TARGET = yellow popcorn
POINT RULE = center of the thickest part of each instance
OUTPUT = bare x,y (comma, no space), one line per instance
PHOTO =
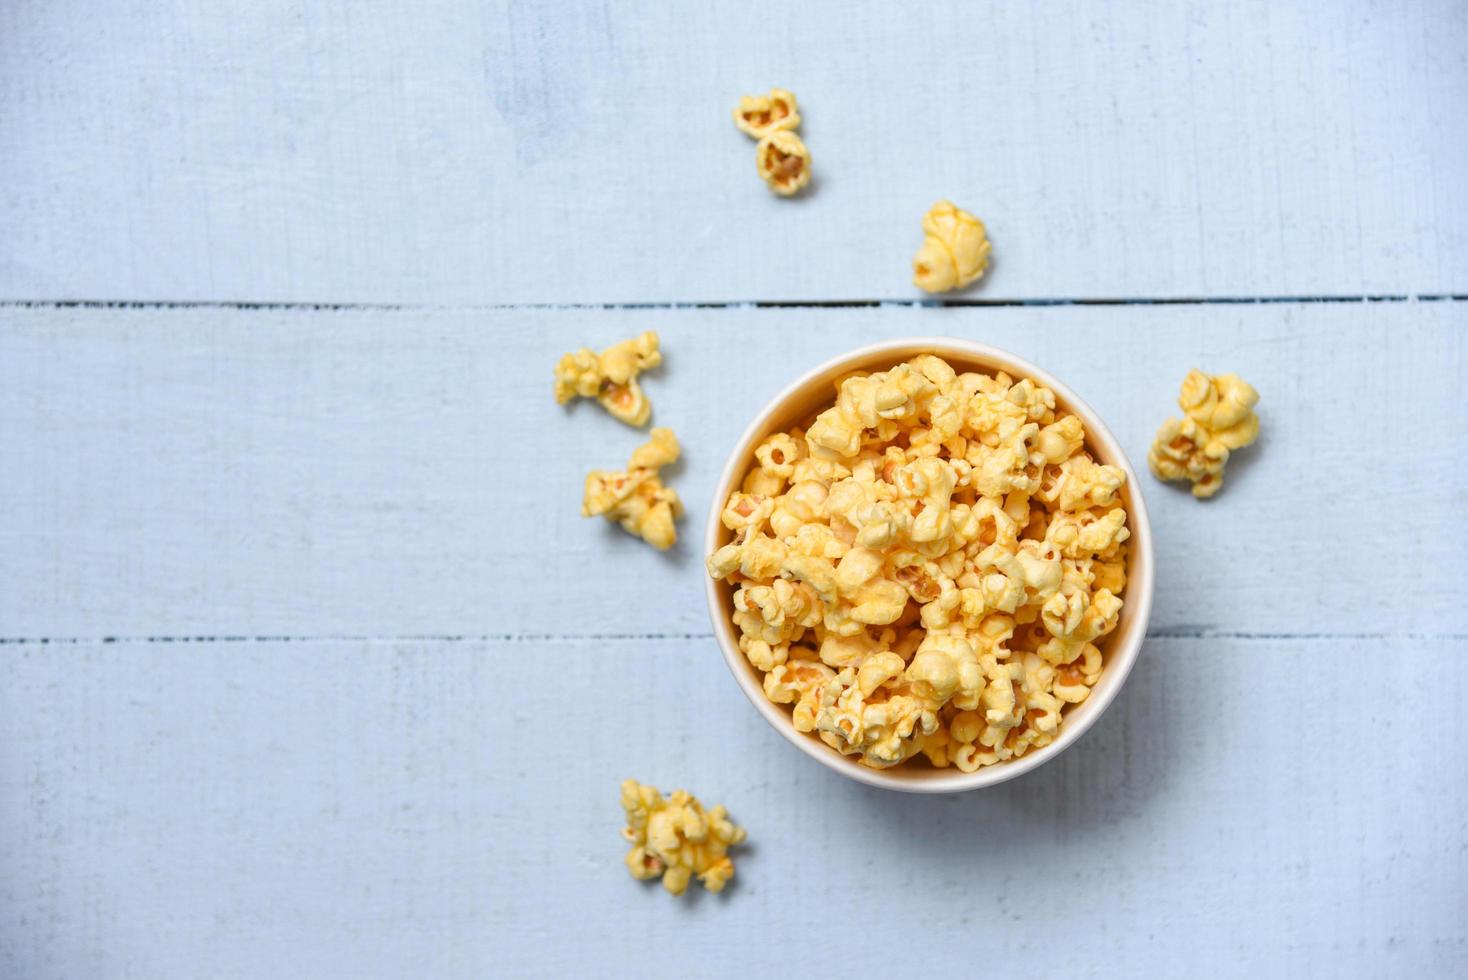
798,681
611,377
1080,482
778,455
1087,533
637,498
676,839
955,250
783,162
781,156
925,572
883,730
760,115
1218,418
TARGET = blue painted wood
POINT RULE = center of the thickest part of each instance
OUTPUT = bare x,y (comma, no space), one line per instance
1270,795
379,473
555,152
309,667
1248,807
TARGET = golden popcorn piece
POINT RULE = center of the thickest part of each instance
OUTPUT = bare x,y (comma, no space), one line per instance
637,499
955,250
676,839
927,568
880,731
611,377
1218,418
783,162
760,115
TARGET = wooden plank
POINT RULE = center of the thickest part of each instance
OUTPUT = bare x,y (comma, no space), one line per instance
553,152
376,473
361,809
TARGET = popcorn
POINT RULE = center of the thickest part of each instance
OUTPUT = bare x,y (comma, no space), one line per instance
611,377
676,839
926,572
637,498
1081,483
881,730
778,455
781,157
783,162
1087,533
1060,440
760,115
798,681
1218,417
874,599
955,250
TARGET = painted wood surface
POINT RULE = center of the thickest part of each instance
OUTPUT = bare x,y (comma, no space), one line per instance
418,772
310,668
552,151
1248,807
372,473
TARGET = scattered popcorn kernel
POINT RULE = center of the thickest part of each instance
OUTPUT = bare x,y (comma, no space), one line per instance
760,115
1218,417
955,250
925,571
637,498
783,162
676,839
611,377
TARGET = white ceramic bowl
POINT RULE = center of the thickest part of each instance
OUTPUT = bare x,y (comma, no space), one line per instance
807,395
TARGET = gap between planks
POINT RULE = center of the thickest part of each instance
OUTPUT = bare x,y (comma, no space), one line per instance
748,304
1166,633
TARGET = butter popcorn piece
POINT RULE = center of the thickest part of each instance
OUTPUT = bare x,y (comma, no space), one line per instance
926,572
783,162
611,377
1218,418
637,499
955,250
677,839
760,115
880,729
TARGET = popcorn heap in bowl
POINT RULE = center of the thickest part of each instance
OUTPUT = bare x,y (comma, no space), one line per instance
928,567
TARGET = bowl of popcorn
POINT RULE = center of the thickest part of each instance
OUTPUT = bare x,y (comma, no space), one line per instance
929,565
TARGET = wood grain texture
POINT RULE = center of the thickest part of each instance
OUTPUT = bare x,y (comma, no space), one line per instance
309,667
375,473
351,809
561,152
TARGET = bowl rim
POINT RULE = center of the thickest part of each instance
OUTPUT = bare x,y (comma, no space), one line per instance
1140,573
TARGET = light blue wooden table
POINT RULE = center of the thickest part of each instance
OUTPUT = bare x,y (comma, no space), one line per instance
309,667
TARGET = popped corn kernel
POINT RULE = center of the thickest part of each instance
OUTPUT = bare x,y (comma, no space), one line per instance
955,250
1060,440
637,499
1080,482
1087,534
880,729
760,115
929,567
778,455
1218,418
611,377
676,839
798,682
783,162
